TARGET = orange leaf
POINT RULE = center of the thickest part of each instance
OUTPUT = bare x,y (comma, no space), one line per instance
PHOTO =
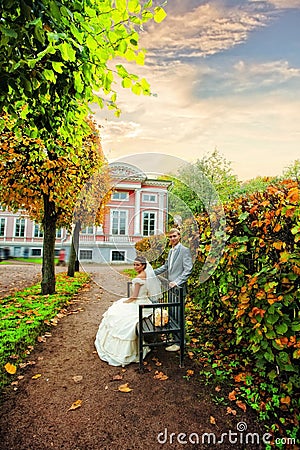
277,227
232,396
160,376
117,377
231,411
75,405
240,377
10,368
190,372
124,388
241,405
212,420
285,400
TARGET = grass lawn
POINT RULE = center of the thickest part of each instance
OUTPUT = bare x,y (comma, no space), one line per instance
26,315
26,260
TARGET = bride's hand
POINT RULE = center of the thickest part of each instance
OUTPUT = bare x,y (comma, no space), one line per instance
129,300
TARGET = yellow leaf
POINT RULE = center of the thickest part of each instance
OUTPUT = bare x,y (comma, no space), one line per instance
75,405
124,388
10,368
212,420
190,372
35,377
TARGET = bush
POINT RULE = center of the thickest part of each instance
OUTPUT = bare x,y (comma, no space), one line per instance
249,307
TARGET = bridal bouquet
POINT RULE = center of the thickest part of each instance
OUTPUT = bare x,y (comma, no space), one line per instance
161,317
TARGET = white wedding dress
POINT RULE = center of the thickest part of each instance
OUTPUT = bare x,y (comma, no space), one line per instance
116,340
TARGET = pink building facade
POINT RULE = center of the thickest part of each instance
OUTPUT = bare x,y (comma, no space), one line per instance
138,207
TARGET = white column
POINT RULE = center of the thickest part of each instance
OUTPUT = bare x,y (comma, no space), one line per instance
137,212
161,210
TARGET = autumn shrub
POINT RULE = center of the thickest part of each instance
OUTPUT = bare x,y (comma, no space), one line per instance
248,310
154,248
25,315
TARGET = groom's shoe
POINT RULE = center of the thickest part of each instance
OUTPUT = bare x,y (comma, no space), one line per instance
173,348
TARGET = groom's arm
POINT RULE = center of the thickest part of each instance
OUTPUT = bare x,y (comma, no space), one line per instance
161,269
187,267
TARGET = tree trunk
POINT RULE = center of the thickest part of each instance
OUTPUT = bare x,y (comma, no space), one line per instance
49,228
73,260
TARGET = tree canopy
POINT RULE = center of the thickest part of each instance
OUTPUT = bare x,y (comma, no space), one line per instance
55,59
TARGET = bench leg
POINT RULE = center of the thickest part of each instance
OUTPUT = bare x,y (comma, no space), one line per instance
141,353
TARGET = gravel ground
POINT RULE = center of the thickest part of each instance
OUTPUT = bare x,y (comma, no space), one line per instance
170,413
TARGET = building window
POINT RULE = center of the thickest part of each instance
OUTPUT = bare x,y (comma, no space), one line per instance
86,254
87,230
37,231
149,223
149,198
20,228
17,252
36,252
2,227
58,233
120,195
116,255
118,222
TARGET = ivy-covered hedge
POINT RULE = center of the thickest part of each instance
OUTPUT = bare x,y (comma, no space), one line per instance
249,307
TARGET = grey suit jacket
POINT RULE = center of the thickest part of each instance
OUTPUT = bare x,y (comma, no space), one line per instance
181,267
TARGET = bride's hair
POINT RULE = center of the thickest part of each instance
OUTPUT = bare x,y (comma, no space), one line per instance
142,260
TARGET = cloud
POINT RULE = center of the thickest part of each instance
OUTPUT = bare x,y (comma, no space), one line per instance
283,4
203,31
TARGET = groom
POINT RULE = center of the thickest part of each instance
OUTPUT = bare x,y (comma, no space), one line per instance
178,266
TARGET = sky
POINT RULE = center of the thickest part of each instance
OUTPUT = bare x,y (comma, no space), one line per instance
224,75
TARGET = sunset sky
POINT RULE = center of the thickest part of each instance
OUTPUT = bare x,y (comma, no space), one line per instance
225,74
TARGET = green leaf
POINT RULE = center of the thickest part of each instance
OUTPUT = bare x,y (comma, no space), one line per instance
159,14
295,326
78,84
134,6
57,66
49,75
281,329
243,216
67,52
269,356
8,32
272,318
54,9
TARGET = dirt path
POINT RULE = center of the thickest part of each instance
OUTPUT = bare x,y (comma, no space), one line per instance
35,416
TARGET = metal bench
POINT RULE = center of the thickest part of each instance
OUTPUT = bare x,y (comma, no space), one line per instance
151,335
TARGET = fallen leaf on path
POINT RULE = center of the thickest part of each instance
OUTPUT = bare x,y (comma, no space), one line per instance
77,378
124,388
10,368
232,396
117,377
212,420
75,405
189,372
217,388
231,411
35,377
160,376
41,339
241,405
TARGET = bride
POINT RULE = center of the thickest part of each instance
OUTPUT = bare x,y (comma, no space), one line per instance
116,340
